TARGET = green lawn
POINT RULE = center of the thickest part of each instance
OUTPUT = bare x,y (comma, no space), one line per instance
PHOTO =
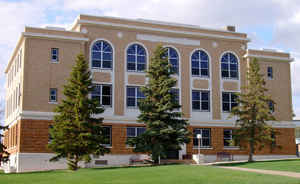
172,174
279,165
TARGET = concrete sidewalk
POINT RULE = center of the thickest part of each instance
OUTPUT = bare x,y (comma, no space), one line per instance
280,173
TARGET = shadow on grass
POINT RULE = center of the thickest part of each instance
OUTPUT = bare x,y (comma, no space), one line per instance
247,163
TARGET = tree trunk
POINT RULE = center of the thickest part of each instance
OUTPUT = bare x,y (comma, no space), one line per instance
250,158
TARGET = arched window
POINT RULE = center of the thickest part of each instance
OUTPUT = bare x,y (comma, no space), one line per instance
136,58
229,66
102,55
200,64
173,59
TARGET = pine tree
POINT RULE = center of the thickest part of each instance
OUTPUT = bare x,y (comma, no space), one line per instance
253,112
76,134
165,129
4,155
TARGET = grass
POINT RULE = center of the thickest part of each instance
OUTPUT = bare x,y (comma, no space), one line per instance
173,174
292,165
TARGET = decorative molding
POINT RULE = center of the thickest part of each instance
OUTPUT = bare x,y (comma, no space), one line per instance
269,57
154,38
121,119
163,30
28,34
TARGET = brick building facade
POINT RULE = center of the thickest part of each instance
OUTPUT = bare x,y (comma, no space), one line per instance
211,65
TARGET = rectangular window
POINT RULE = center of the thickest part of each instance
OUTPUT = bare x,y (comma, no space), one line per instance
134,94
103,94
228,101
175,92
270,72
228,139
271,106
107,136
200,100
54,55
205,141
134,131
53,95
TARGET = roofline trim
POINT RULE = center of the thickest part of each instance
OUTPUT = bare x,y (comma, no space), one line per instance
161,23
29,34
162,30
269,57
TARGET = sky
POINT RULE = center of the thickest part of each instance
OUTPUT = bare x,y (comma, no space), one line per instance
269,23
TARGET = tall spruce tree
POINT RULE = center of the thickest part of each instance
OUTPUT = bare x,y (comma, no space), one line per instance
253,112
165,128
76,133
4,155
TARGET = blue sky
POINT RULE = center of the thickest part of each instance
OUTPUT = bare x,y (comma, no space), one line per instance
269,23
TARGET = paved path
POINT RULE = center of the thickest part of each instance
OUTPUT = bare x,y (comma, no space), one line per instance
281,173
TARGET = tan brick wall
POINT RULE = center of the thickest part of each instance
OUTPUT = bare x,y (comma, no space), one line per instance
136,79
231,86
102,77
200,84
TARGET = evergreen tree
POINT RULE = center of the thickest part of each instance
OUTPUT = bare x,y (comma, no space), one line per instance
165,129
253,112
4,155
76,133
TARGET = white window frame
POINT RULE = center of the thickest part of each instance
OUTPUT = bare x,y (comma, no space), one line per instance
136,58
201,110
101,94
199,68
110,137
135,97
201,140
50,95
101,53
230,101
229,70
56,55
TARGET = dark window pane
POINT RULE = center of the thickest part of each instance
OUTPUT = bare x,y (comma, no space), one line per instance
173,53
106,90
106,100
196,95
140,131
141,67
226,107
204,64
195,64
107,56
205,142
195,55
204,56
96,63
131,132
204,96
97,55
227,134
174,62
196,105
233,67
225,74
195,71
131,102
106,64
225,97
141,59
141,50
107,135
204,72
205,106
140,94
131,58
131,66
233,74
174,69
206,133
224,66
195,142
131,50
131,91
106,47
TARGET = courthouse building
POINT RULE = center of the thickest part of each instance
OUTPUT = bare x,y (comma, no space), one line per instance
210,66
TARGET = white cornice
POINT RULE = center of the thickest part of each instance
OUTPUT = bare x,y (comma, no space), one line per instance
269,57
154,38
121,119
41,35
163,30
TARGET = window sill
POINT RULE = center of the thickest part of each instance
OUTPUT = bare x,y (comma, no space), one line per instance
201,77
203,148
231,147
55,62
101,69
230,79
55,103
199,111
136,72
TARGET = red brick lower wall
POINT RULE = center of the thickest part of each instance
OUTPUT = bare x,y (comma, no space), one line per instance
33,138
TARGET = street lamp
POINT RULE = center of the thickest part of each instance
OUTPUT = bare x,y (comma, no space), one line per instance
199,137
